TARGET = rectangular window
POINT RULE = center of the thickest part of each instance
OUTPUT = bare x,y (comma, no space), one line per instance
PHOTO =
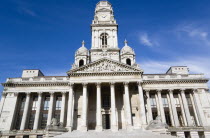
44,120
177,103
34,105
165,102
58,103
46,103
153,102
22,103
31,121
106,101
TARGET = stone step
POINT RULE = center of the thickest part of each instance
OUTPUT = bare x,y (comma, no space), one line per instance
111,134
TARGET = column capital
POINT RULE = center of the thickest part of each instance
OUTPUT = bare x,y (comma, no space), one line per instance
51,93
70,84
182,90
112,83
147,90
27,93
170,90
126,83
195,90
139,82
63,92
159,90
84,84
98,84
39,93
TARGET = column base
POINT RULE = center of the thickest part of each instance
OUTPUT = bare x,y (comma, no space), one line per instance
180,134
194,134
207,134
70,129
99,128
84,128
129,127
114,128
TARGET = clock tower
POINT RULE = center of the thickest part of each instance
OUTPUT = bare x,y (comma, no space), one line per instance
104,33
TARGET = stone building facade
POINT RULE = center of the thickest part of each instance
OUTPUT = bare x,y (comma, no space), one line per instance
105,89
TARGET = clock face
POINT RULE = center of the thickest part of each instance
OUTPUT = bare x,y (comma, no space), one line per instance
103,17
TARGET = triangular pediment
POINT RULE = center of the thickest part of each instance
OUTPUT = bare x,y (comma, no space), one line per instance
105,65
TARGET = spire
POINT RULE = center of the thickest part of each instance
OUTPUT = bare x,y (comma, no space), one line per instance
126,42
83,43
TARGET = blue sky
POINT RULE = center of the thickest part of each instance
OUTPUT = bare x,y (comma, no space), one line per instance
44,34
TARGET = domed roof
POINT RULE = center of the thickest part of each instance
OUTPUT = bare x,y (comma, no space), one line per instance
82,50
127,49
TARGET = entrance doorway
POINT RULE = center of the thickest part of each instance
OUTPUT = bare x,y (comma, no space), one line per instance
106,121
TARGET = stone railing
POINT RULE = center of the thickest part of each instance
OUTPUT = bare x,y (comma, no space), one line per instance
39,79
169,76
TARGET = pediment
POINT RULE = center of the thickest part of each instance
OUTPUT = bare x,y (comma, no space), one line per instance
105,65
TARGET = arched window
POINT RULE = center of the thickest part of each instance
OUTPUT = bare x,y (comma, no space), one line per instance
104,37
81,62
128,61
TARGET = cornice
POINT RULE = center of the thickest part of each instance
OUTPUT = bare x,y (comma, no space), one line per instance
34,84
175,81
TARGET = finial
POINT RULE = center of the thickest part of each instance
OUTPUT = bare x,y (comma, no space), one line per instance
83,43
126,42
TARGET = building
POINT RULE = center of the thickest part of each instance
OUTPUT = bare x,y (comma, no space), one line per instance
105,89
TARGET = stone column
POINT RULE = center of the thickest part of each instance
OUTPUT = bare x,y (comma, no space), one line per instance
50,111
199,108
70,108
84,108
127,107
4,94
157,104
98,109
37,115
186,108
162,113
182,110
149,109
173,107
25,112
170,109
142,107
194,110
63,107
114,125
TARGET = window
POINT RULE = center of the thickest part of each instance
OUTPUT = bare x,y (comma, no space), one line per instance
34,106
153,102
106,101
22,103
165,102
177,103
46,103
58,103
104,37
81,63
44,120
128,61
31,121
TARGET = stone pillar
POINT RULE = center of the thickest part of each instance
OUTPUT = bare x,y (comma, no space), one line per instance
170,109
162,113
199,108
4,94
50,111
84,108
157,104
173,107
114,125
25,112
149,109
63,107
127,107
98,108
142,107
70,108
194,134
37,115
186,108
182,110
194,110
180,134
